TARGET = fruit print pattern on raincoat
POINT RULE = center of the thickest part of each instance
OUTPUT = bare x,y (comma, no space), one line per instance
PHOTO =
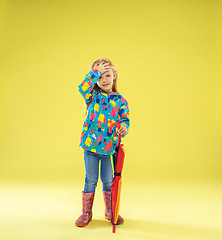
102,109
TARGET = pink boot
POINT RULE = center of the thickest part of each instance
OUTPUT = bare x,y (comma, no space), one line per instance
108,212
86,215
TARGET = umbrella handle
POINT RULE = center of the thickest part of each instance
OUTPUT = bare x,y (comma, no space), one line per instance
117,124
119,138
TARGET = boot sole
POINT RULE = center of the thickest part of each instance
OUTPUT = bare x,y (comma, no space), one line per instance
118,223
83,225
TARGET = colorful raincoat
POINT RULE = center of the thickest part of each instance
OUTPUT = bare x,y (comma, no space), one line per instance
102,109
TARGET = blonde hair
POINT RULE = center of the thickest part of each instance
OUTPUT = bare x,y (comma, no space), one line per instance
106,60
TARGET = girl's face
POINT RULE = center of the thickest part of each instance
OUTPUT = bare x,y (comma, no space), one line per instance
105,81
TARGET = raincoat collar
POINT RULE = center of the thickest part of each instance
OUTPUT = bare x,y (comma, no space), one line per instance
108,94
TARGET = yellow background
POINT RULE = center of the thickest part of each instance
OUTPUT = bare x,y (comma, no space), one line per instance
168,56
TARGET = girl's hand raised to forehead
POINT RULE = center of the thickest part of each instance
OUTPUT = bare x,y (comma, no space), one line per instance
102,67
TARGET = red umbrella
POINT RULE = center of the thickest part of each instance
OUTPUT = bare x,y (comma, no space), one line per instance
118,159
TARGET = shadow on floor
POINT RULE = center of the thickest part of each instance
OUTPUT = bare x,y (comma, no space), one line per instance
158,230
96,223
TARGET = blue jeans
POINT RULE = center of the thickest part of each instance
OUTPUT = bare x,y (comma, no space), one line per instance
92,171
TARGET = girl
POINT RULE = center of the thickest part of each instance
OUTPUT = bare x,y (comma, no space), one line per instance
104,106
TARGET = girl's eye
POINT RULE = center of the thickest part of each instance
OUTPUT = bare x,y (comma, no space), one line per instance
108,75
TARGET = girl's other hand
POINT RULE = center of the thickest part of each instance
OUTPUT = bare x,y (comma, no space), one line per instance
122,130
102,67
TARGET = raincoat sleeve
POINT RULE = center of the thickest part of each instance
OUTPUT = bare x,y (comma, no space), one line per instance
87,85
124,113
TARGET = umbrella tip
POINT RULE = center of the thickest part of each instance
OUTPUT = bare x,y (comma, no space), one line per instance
114,228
